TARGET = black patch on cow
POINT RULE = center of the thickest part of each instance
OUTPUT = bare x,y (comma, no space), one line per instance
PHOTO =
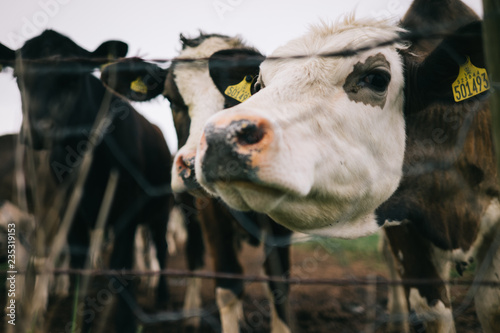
358,88
230,67
222,162
180,111
119,77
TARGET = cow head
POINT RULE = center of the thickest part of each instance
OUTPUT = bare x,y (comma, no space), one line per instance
54,76
188,86
321,145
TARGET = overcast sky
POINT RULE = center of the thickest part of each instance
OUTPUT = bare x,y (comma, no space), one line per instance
152,27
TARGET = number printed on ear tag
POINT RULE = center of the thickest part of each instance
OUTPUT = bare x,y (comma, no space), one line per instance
470,82
240,91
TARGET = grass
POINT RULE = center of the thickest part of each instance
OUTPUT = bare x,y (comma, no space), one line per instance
348,250
366,249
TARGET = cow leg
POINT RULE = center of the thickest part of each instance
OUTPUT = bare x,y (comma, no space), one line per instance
487,299
419,259
140,258
195,250
397,305
277,263
217,226
122,259
159,232
432,303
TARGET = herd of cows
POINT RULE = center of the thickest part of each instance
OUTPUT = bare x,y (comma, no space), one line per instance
382,138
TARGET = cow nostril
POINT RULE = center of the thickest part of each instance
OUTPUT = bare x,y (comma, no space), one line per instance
185,164
249,134
188,162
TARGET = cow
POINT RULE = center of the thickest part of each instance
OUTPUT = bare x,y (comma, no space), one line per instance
377,137
61,101
443,17
194,98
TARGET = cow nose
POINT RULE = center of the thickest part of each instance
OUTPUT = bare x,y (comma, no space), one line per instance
184,166
231,148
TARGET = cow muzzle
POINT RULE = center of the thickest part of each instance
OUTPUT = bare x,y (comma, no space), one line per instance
232,149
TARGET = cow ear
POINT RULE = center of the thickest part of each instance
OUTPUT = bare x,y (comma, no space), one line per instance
455,70
135,79
111,49
7,56
233,72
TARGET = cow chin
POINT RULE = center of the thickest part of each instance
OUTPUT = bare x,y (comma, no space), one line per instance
244,196
299,213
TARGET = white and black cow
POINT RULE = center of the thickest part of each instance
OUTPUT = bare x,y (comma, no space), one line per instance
341,146
61,101
193,99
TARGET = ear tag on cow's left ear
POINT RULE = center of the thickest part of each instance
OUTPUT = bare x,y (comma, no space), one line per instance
139,86
470,82
242,90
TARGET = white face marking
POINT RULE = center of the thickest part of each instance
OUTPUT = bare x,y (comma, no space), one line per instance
333,159
199,93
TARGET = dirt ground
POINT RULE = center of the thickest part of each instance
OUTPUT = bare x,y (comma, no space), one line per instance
315,308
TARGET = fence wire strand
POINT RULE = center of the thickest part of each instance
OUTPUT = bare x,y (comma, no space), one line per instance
354,281
404,38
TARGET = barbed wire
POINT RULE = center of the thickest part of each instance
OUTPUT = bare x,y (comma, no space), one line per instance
354,281
403,38
155,191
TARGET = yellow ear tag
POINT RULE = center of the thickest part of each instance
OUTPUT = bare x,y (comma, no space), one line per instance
470,82
240,91
139,86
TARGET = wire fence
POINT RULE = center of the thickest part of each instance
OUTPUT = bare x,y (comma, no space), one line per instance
154,191
404,38
354,281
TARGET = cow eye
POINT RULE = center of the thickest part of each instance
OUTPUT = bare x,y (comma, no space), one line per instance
377,80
